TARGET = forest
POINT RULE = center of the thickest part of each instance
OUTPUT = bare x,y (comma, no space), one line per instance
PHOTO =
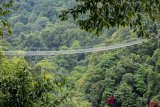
131,75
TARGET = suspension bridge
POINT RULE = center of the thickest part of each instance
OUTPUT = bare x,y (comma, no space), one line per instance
73,51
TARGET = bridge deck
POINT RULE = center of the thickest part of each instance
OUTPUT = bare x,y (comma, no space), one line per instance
74,51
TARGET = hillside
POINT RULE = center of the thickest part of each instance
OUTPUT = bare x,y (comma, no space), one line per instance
131,74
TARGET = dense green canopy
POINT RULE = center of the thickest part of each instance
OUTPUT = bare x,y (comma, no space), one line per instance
131,74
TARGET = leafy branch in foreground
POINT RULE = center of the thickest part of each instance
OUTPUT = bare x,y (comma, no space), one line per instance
5,9
114,13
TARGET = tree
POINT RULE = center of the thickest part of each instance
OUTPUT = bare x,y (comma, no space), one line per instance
22,86
41,22
125,95
114,13
5,9
76,44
